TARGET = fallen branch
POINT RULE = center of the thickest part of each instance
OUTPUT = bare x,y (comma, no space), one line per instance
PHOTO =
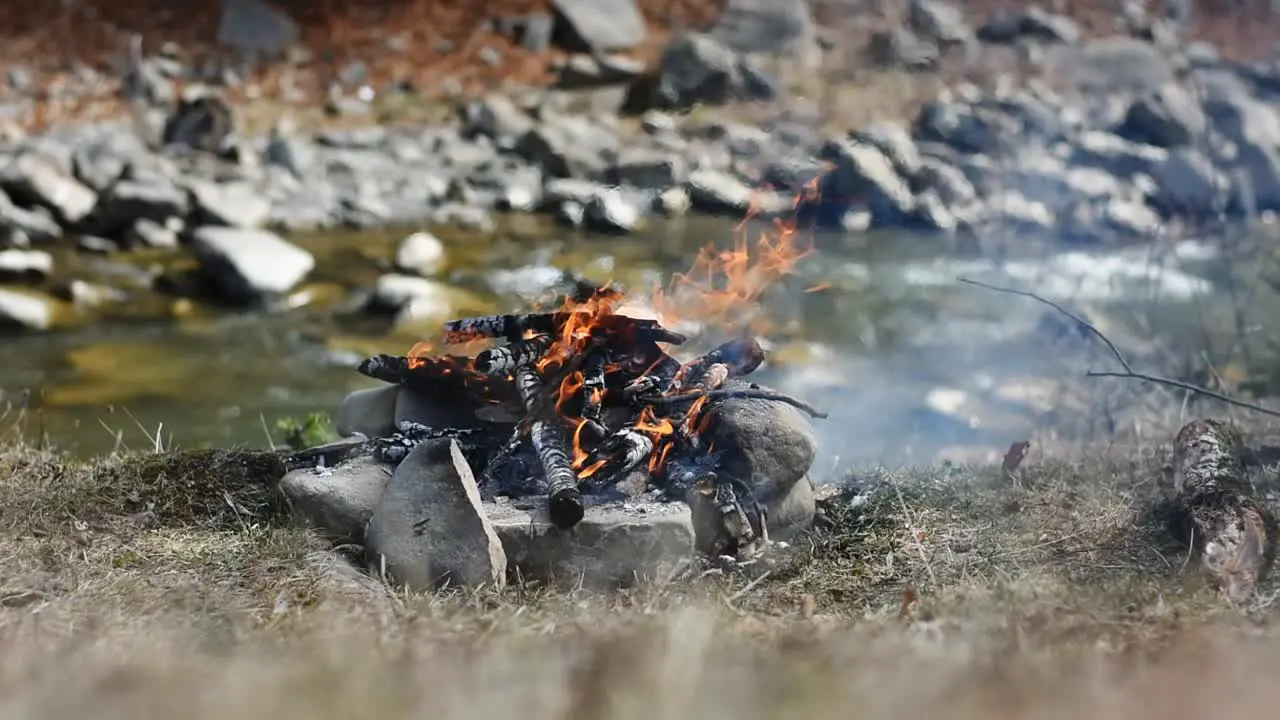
1115,352
753,393
1232,533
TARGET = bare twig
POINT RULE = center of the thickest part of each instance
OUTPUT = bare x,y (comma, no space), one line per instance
748,393
1128,370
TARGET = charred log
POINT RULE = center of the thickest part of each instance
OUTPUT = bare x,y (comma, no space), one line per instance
738,357
564,500
619,328
727,519
1231,532
593,386
518,354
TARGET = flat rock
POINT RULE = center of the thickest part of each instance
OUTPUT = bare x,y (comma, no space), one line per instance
247,264
25,264
230,204
368,411
36,178
598,25
337,501
25,311
769,445
428,529
616,543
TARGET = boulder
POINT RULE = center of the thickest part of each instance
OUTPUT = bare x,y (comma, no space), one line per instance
615,544
697,68
597,25
420,253
339,501
247,264
429,530
768,445
36,178
368,411
1168,118
792,513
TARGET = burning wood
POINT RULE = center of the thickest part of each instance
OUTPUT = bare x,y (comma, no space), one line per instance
602,401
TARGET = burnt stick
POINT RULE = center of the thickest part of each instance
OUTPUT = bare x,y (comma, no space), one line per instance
740,357
503,360
625,449
564,501
592,385
513,327
753,393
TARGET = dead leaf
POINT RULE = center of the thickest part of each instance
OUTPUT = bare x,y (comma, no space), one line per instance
1014,456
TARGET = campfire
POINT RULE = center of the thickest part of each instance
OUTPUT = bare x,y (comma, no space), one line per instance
588,401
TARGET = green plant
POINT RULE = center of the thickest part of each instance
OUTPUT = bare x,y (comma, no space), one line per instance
315,429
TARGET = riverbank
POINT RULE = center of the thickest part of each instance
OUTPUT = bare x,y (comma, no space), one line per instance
1054,593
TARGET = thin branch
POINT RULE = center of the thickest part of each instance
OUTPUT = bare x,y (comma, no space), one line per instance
1083,323
751,393
1128,370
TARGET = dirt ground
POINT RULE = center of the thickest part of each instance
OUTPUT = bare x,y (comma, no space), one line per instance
164,585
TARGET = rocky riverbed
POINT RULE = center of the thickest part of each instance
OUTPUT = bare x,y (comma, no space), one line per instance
182,212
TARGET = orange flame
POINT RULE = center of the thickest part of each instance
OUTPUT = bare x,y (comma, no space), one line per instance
648,423
571,384
721,283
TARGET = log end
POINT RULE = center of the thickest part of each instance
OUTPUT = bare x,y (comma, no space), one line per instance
565,508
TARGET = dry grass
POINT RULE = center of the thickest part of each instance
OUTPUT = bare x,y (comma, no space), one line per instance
170,586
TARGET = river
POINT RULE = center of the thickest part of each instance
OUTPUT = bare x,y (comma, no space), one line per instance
911,365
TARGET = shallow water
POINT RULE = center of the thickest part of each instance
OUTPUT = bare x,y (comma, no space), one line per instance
889,343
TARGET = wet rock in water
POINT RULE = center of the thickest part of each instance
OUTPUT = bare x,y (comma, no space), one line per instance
395,293
649,169
615,544
672,202
368,411
421,253
36,178
229,204
598,25
150,234
31,265
717,192
339,501
768,445
862,174
429,528
25,311
611,212
461,215
249,265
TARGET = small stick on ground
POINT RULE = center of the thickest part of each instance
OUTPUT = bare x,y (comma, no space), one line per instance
753,393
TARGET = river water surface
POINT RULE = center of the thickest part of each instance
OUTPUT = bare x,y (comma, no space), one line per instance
910,364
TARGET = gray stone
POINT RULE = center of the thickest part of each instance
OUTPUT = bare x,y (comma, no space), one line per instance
229,204
255,28
569,147
716,192
615,544
775,27
496,117
148,233
429,529
247,264
339,501
99,163
792,513
35,178
25,264
1033,23
939,22
862,174
900,48
894,142
945,179
672,202
36,224
1112,153
648,169
127,200
598,25
611,212
421,253
768,445
461,215
1168,118
696,68
368,411
435,412
1188,184
394,292
25,311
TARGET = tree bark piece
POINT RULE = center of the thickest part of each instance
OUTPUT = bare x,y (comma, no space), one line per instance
1232,533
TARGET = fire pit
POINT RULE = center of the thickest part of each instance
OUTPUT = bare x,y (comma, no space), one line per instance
581,409
598,408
